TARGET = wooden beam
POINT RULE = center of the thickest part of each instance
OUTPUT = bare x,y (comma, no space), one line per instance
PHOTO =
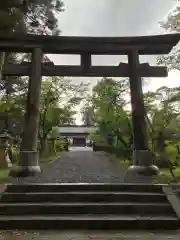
94,48
94,71
160,44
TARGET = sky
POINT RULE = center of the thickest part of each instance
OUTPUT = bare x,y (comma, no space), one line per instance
115,18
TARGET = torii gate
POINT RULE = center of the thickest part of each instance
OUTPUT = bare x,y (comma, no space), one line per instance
86,47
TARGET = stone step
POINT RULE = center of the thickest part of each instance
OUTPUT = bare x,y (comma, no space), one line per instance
83,197
89,222
86,208
69,187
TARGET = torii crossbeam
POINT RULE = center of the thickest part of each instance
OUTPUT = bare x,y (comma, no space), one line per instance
49,69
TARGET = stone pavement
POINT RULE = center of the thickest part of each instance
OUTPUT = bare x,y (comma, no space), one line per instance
89,235
84,165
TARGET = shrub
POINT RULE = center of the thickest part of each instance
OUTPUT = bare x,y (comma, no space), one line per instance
161,161
96,138
118,151
59,145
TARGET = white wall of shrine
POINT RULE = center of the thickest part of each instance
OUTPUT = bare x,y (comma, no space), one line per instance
76,129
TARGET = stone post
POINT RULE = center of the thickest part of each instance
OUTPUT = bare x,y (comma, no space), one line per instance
28,156
142,157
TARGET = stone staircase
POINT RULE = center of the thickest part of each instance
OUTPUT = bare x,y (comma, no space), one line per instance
89,206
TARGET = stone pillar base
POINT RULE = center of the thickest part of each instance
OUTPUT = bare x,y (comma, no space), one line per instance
143,163
144,170
28,165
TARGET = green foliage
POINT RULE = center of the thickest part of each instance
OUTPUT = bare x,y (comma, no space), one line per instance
59,145
117,151
169,112
171,152
109,113
162,117
59,97
42,16
4,175
88,115
96,138
37,17
114,120
172,24
121,162
165,177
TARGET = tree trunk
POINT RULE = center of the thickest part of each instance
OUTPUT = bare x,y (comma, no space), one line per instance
42,145
160,143
2,59
151,133
171,167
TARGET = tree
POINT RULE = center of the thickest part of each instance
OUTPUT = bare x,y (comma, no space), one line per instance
25,16
41,16
58,100
163,119
110,115
114,120
12,103
172,24
87,112
32,16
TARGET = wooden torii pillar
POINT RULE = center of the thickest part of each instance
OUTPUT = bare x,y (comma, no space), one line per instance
142,156
29,156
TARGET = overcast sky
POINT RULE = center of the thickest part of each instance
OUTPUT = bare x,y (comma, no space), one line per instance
115,18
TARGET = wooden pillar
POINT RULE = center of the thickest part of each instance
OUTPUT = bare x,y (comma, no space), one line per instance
137,103
28,162
30,133
142,157
85,62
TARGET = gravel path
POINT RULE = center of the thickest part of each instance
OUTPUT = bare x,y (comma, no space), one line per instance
80,165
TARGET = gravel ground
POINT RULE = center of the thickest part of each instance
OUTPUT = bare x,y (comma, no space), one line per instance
80,165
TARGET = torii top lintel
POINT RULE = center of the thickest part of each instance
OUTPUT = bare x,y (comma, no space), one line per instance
144,45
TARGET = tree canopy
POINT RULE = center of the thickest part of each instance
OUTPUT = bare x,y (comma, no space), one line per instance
109,109
30,16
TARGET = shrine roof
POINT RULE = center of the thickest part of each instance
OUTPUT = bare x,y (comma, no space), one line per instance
145,45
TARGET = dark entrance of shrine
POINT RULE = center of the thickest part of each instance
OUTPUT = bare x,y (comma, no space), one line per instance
86,47
78,134
79,141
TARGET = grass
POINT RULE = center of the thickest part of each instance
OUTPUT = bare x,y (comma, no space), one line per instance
4,175
166,178
44,160
122,163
